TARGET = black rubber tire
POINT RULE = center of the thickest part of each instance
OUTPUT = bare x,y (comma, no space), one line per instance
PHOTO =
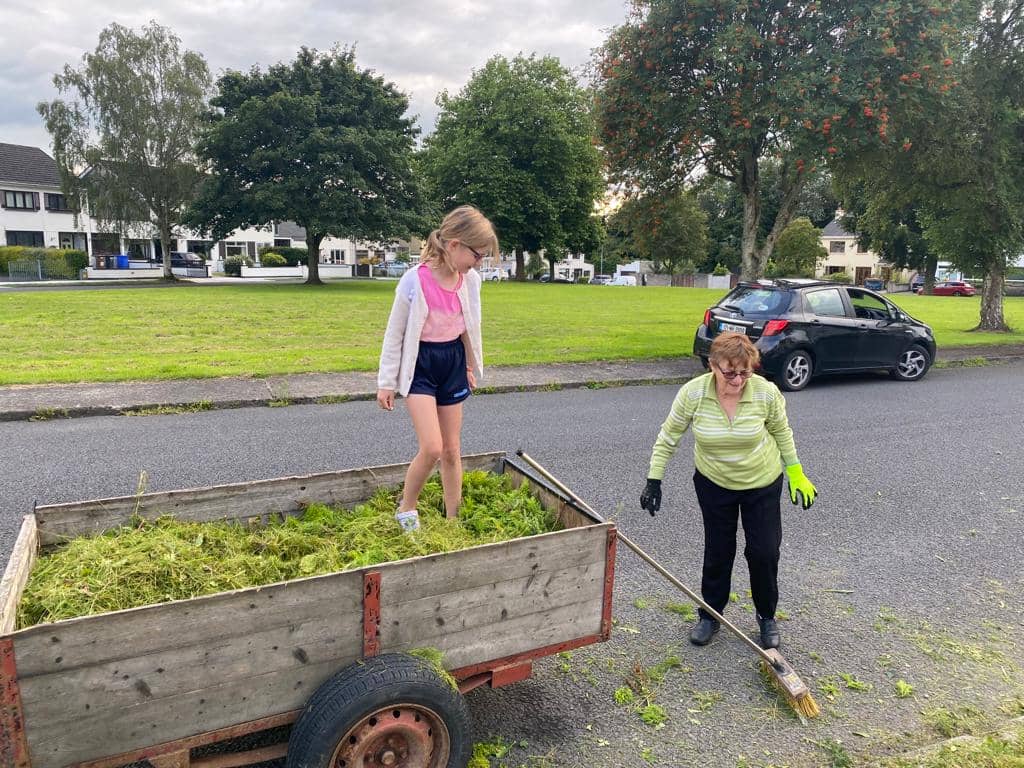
957,293
365,687
704,361
913,364
799,360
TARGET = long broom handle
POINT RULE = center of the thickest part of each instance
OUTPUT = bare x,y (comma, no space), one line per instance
651,561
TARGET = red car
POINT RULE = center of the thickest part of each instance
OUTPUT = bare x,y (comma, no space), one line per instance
952,288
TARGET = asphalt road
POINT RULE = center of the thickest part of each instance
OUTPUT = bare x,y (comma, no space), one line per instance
909,567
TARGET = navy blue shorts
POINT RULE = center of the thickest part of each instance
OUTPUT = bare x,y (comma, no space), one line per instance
441,372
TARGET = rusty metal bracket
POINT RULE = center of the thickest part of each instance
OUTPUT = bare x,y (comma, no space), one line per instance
371,613
13,746
609,585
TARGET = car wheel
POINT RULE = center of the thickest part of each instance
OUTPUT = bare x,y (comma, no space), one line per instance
796,370
705,363
913,364
957,293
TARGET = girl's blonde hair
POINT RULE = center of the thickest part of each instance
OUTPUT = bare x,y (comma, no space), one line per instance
465,224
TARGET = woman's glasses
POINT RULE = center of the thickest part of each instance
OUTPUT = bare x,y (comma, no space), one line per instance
733,374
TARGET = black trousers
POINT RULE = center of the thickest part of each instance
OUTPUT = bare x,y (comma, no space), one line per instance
762,527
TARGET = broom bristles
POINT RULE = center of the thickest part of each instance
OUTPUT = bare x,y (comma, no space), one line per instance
796,694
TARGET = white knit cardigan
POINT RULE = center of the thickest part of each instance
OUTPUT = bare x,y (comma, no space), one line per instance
402,337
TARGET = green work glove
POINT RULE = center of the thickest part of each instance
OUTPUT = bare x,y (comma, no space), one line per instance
799,484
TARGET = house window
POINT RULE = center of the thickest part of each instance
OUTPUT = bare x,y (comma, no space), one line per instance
235,249
28,239
361,255
837,246
861,248
25,201
337,256
55,202
833,270
282,242
202,247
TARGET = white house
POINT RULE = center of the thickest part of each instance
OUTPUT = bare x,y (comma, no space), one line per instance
845,254
34,212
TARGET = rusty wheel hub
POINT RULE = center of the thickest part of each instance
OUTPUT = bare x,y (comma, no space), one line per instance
400,736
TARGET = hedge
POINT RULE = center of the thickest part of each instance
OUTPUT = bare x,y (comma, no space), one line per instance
273,259
292,256
54,259
233,265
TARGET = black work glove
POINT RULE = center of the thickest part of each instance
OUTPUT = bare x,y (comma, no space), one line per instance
650,499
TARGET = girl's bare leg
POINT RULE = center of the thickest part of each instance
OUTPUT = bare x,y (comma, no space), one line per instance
449,419
425,413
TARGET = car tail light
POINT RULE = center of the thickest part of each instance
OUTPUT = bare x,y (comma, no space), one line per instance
774,326
707,318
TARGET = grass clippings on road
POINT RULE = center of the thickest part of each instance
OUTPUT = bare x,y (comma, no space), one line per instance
194,331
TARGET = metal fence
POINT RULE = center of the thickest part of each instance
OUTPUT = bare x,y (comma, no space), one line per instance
42,268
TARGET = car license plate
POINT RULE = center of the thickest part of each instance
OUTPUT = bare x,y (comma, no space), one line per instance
732,327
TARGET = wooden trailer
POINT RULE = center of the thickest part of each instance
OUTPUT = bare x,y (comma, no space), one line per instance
156,683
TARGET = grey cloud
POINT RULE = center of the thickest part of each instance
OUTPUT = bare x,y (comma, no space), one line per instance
422,46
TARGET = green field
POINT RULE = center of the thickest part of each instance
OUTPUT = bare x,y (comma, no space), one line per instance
259,330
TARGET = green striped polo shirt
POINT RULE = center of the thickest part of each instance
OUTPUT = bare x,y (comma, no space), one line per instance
748,452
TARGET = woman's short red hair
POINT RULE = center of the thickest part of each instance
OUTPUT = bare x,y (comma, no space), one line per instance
734,348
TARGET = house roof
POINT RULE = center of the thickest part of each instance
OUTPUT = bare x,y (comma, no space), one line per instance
27,165
834,229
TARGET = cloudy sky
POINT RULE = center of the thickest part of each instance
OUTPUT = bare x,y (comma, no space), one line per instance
424,46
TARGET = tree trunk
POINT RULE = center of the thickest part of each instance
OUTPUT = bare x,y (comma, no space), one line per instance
750,187
520,265
313,240
992,300
790,200
931,263
165,246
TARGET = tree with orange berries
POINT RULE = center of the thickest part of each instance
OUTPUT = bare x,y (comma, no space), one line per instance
689,87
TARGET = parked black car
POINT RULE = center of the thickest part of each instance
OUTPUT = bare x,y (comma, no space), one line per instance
804,328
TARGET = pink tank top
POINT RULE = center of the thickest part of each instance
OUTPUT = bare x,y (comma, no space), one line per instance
444,310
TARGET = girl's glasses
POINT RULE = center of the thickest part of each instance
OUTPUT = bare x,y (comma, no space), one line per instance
476,254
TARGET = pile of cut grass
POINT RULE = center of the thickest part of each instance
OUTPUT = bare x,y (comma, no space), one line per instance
167,559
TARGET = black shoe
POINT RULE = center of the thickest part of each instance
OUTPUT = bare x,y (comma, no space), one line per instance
705,629
770,637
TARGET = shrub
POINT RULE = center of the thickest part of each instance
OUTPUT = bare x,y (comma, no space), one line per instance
233,265
839,277
9,253
273,259
292,256
720,270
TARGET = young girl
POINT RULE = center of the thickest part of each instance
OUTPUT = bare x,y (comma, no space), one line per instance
432,352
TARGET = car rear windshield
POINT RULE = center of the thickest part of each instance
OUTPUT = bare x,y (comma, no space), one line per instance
754,301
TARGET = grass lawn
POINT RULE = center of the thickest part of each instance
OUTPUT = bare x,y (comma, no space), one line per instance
260,329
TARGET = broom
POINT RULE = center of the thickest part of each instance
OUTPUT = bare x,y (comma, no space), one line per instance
773,664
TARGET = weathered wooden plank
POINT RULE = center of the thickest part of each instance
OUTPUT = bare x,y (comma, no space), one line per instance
422,620
169,719
479,566
67,696
495,641
110,637
23,557
288,495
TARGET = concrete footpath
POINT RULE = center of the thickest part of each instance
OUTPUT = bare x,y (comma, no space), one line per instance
48,401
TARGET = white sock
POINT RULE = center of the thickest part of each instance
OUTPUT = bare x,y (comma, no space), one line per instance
409,520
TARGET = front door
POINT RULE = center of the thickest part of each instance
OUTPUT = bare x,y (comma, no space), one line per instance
862,274
834,334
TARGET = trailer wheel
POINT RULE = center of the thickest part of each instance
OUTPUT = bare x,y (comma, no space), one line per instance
389,711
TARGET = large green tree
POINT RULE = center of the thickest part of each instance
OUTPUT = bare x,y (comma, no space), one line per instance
721,84
798,251
518,142
124,132
669,230
963,178
316,141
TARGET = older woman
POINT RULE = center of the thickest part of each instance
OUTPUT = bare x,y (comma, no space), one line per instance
742,440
